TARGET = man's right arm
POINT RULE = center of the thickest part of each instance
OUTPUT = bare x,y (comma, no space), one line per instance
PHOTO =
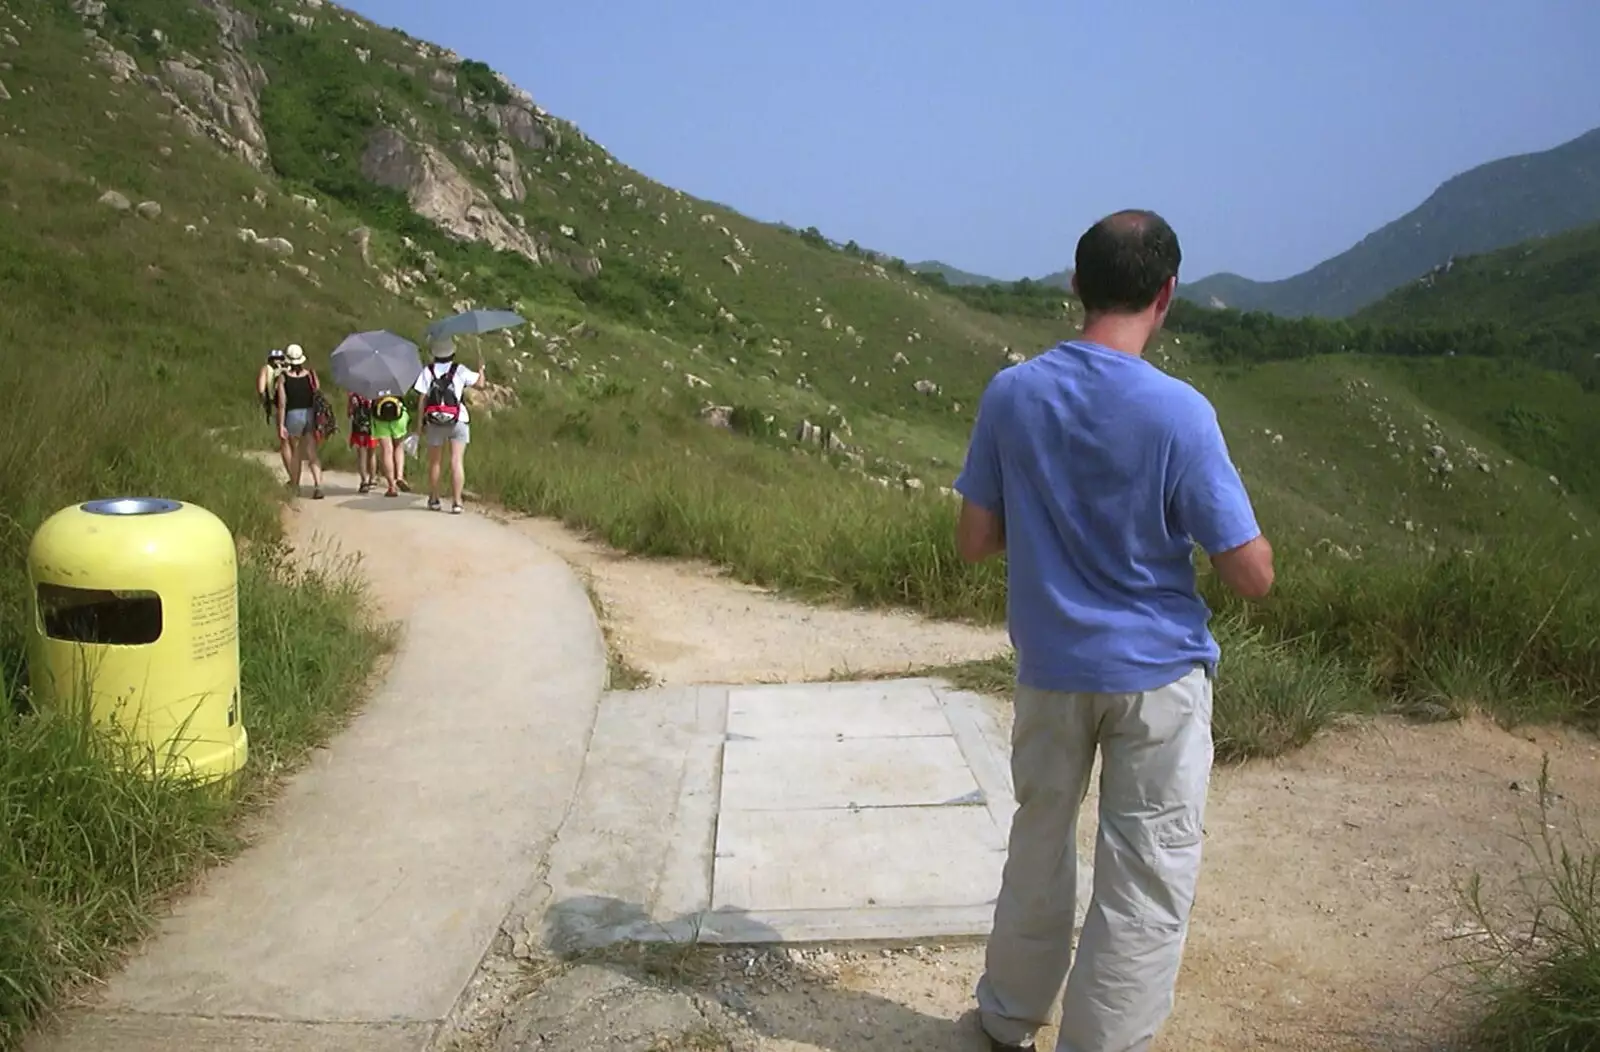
1247,569
1214,509
981,526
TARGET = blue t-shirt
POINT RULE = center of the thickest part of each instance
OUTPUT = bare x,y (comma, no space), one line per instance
1105,471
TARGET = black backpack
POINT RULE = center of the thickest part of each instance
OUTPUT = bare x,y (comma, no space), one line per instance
388,407
441,405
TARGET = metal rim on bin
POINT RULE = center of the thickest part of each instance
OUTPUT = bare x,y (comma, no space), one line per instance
131,506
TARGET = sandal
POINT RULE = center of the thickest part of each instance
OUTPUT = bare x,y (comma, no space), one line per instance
316,494
405,487
433,504
391,492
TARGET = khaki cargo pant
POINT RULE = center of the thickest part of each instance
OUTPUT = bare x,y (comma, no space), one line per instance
1155,771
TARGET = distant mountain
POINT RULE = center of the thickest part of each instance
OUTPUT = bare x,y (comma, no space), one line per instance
952,275
1489,207
1061,279
1545,281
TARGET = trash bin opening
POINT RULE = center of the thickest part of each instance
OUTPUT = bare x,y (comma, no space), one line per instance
100,616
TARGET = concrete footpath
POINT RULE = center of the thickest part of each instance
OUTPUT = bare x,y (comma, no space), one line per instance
368,899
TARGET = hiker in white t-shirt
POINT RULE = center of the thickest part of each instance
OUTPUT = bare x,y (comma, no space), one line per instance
442,417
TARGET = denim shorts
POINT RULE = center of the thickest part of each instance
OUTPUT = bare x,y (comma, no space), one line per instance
297,422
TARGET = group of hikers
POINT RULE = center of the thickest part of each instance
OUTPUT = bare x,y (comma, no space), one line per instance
381,429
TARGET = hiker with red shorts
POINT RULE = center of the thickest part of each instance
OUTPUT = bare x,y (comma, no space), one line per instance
362,441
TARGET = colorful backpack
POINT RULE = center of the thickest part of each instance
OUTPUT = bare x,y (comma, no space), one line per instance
388,407
442,405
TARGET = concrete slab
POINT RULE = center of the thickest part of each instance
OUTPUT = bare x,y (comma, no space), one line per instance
855,772
794,813
834,710
390,862
896,857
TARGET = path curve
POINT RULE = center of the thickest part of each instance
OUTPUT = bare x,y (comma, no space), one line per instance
686,622
383,873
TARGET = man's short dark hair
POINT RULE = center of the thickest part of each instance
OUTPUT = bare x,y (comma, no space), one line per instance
1123,260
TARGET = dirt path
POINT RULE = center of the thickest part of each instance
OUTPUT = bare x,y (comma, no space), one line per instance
684,622
1331,895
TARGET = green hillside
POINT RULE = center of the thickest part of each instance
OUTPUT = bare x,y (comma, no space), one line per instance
1546,281
1486,208
190,182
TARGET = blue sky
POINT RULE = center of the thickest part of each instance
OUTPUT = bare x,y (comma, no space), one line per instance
1272,133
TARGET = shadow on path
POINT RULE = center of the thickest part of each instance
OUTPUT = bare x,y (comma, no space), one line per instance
788,997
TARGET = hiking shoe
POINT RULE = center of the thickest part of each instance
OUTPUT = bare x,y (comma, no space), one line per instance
433,504
455,509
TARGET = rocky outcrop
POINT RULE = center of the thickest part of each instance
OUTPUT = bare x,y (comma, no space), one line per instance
520,120
437,191
224,105
507,175
521,124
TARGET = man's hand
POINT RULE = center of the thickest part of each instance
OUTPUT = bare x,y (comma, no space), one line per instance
980,533
283,433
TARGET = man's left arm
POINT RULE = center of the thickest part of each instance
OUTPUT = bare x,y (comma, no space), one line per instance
981,527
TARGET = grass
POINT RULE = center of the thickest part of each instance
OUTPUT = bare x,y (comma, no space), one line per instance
646,483
1536,958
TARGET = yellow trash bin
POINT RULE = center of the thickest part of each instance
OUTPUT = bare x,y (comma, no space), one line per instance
136,608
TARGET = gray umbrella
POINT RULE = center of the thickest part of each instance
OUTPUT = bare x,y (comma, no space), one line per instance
473,321
370,363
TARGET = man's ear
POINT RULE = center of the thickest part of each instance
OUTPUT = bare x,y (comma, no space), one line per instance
1164,298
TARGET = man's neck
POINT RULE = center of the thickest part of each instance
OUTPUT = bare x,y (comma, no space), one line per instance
1120,332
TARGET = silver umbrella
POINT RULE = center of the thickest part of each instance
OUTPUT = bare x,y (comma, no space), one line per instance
370,363
473,321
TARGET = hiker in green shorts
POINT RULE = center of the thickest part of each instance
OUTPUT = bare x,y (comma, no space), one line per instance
390,423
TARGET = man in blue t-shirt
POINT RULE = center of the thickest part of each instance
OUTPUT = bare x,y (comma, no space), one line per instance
1096,474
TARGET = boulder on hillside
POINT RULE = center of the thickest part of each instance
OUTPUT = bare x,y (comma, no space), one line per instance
362,236
718,416
112,199
150,209
507,174
437,191
119,65
487,398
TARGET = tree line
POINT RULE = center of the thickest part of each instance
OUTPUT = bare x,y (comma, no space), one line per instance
1252,337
